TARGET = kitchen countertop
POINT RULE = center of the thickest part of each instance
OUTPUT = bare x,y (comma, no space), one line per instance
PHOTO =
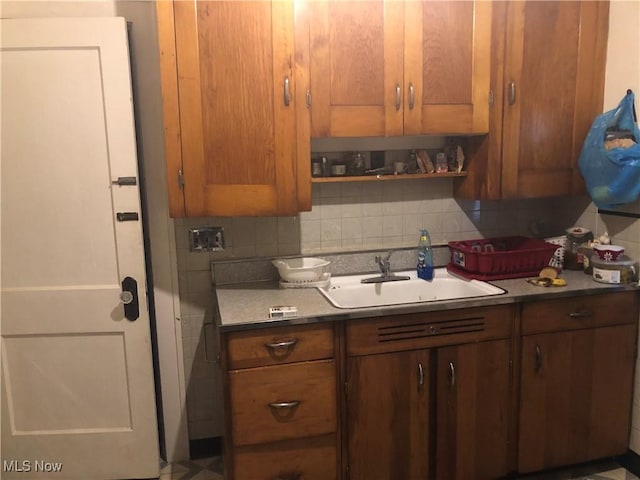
246,305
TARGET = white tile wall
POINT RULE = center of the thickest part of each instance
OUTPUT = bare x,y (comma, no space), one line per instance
345,216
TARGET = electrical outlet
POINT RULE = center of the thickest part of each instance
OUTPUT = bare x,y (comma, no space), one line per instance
206,239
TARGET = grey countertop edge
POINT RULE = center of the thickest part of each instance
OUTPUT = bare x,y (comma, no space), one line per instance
245,306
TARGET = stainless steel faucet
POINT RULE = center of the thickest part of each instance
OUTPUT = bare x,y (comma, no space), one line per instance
385,264
386,275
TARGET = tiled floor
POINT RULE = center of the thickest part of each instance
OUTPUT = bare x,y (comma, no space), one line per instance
597,471
200,469
211,469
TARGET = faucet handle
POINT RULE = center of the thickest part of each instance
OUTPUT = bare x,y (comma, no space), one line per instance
388,256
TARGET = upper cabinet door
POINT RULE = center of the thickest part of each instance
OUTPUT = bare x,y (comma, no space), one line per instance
399,68
356,68
236,99
554,83
447,67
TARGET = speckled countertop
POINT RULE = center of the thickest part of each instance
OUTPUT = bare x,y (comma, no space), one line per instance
246,305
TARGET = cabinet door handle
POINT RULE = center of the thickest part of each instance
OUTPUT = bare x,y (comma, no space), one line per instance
284,405
286,344
581,314
308,98
538,359
512,93
412,96
420,376
398,96
287,92
452,375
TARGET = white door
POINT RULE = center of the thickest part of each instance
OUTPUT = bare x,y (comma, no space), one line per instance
77,378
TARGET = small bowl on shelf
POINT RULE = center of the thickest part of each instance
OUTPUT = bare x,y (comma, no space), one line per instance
608,253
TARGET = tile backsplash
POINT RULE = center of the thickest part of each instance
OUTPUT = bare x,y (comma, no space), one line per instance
354,216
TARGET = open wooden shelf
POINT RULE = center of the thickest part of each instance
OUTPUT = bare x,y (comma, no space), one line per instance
377,178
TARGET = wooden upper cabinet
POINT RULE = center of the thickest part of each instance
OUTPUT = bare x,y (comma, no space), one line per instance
554,76
446,67
399,68
548,64
229,129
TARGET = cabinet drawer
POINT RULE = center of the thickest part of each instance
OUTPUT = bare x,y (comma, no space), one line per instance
286,401
308,459
273,346
429,329
579,312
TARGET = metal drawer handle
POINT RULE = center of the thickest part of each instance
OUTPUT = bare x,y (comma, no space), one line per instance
287,343
581,314
420,376
283,405
398,92
452,375
538,359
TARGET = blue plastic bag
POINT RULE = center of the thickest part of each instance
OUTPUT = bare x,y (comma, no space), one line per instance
612,176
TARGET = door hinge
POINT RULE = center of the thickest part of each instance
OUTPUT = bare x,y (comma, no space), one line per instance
491,97
180,179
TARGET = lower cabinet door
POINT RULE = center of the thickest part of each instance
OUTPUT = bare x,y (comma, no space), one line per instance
388,416
575,397
303,459
472,411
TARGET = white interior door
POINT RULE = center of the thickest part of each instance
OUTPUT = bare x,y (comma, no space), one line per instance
77,378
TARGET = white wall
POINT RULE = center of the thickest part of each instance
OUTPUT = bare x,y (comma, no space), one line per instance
623,72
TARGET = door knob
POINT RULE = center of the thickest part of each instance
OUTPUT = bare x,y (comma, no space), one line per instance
126,297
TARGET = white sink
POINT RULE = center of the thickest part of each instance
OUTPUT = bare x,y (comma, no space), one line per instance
348,292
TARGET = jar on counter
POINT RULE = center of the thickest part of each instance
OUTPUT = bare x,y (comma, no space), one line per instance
586,251
622,271
576,237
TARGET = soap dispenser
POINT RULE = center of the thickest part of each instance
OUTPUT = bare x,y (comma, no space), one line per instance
425,256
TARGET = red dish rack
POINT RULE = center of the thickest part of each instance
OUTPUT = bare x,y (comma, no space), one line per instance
500,258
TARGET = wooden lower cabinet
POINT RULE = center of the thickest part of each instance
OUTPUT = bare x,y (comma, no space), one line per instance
431,413
389,398
281,403
445,395
472,410
576,379
576,391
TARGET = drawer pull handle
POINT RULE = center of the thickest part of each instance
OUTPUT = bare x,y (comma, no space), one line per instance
420,376
538,359
581,314
284,405
452,375
288,344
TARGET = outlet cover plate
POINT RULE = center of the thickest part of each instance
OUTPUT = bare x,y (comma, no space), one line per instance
206,239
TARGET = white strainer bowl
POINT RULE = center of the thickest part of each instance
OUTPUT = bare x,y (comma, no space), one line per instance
303,269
